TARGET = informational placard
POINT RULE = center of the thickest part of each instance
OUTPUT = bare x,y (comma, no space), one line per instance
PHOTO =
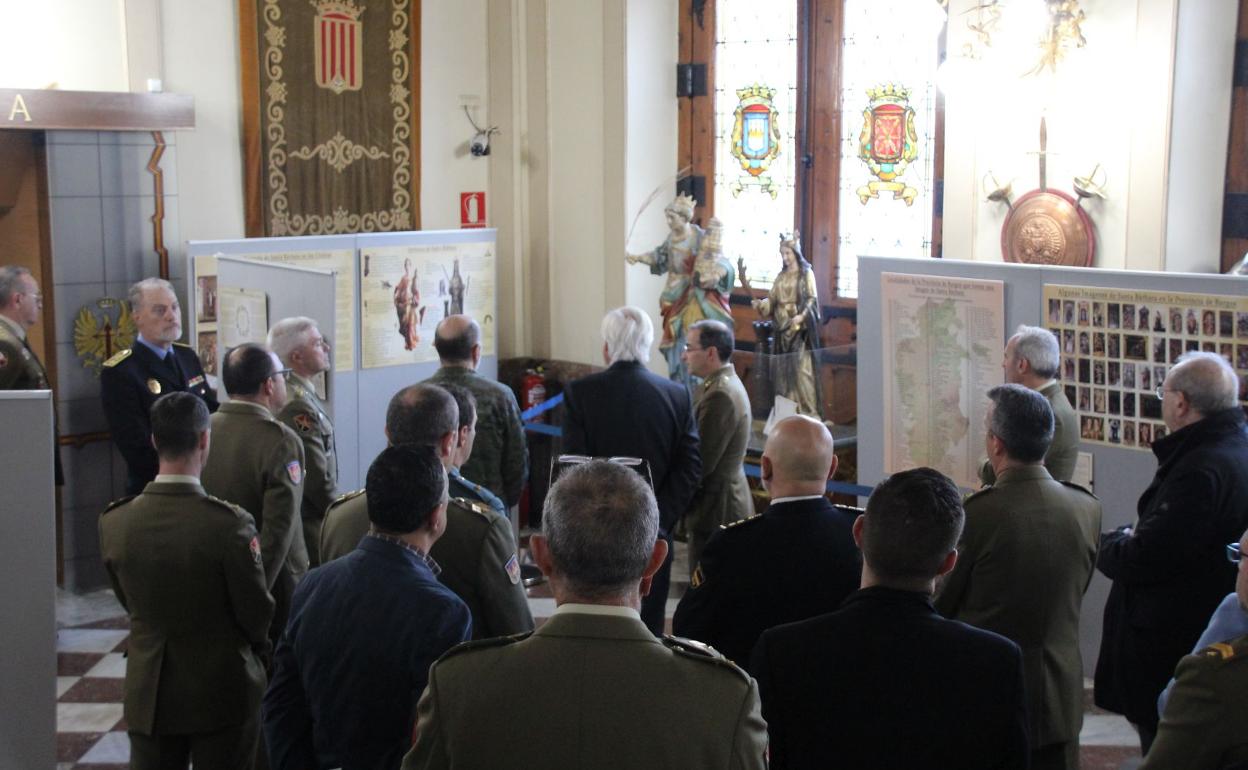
406,290
204,326
244,316
942,341
1118,344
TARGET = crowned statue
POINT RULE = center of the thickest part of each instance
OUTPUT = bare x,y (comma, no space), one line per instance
699,279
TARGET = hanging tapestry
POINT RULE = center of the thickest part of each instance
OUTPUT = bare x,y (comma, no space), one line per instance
331,94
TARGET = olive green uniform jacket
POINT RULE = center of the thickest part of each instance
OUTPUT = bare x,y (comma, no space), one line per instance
600,691
187,569
1206,719
307,416
477,553
1063,451
256,463
500,456
1026,555
723,414
20,369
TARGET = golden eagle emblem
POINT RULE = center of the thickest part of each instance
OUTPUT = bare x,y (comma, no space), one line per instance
98,337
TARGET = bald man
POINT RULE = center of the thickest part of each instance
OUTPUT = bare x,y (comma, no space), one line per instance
500,457
794,561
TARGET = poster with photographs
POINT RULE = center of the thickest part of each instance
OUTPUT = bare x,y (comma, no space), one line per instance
406,290
1116,346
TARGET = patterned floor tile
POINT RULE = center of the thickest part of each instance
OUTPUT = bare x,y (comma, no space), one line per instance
92,690
63,683
87,717
1108,757
113,748
111,665
76,663
88,640
71,746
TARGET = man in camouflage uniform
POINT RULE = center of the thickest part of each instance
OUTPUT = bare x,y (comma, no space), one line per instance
458,486
303,349
499,459
478,550
257,464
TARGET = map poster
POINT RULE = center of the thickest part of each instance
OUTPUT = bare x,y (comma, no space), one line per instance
942,340
1118,344
244,316
406,290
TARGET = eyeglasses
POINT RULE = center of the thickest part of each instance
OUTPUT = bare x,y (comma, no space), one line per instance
1233,554
1160,393
280,372
562,462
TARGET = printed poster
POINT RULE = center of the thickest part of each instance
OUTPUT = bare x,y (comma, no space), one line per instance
244,316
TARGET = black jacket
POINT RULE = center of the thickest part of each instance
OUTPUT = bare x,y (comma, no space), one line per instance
793,562
886,683
1170,572
629,411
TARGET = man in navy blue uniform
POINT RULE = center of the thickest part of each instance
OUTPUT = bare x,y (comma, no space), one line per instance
156,364
885,681
365,628
629,411
795,561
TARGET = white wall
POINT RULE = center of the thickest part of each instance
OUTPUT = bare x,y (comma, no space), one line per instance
80,45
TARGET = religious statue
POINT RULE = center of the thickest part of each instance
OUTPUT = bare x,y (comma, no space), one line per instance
407,306
792,306
457,290
699,279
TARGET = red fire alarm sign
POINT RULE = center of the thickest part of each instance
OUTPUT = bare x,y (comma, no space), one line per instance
472,209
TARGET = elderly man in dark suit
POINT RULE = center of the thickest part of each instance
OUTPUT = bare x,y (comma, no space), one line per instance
797,560
1024,563
629,411
885,682
1167,574
187,568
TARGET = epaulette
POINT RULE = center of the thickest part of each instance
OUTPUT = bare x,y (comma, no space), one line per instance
977,493
689,648
119,502
235,509
1081,488
746,520
1224,651
481,644
117,358
476,506
851,509
343,498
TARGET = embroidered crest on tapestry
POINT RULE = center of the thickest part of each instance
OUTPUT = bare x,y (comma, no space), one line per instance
331,122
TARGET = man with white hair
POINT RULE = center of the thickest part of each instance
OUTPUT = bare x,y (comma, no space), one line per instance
305,351
1032,359
156,364
629,411
1168,570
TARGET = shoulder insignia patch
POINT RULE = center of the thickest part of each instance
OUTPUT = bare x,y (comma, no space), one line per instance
688,648
117,358
295,471
481,644
746,520
119,502
305,423
343,498
4,360
512,567
254,545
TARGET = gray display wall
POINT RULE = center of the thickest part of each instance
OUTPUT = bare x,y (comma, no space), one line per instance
1119,475
359,396
28,568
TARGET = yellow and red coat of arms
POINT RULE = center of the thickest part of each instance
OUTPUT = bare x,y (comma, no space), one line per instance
888,142
337,32
755,139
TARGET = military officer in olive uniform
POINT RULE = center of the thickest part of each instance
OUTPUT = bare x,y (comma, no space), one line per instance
257,463
1024,562
1205,724
722,409
477,552
302,348
132,380
21,305
500,459
186,567
601,691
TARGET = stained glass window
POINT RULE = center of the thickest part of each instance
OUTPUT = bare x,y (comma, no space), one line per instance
888,113
755,123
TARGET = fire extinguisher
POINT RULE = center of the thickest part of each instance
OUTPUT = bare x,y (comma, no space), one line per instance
533,391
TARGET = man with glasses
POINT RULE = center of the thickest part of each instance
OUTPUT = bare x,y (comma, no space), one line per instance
1167,570
301,347
257,464
133,379
1205,722
21,307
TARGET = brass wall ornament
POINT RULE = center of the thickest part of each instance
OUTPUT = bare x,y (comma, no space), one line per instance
97,338
1048,227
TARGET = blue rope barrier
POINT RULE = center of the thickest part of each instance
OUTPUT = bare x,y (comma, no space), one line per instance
545,406
838,487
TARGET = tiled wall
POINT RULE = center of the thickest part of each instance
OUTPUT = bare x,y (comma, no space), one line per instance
101,200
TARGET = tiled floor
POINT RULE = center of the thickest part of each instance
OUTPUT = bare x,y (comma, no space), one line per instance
91,640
